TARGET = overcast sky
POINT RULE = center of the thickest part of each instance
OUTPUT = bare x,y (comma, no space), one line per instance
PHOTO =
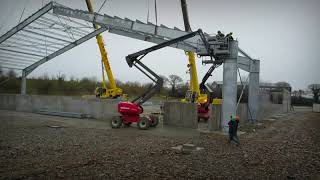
283,34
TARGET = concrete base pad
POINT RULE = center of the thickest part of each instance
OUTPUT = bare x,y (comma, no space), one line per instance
187,148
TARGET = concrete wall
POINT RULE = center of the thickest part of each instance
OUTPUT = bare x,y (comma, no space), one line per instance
97,108
180,114
266,109
286,101
8,101
316,107
214,122
243,113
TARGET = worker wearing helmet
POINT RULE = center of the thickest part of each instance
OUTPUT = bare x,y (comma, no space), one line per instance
220,35
233,128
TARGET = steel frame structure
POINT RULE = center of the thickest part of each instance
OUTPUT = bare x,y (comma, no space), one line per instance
47,25
41,37
236,57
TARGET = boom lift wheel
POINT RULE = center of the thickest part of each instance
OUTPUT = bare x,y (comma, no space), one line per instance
143,123
154,120
116,122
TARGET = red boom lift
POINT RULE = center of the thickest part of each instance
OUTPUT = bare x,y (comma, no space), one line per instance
130,111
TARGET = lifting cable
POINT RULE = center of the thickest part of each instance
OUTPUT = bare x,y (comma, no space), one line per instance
242,93
148,11
102,6
24,8
156,12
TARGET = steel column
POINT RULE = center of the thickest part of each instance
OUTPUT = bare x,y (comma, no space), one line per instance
253,98
24,83
229,88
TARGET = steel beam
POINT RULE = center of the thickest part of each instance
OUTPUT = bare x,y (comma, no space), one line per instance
13,44
49,43
156,40
73,21
27,21
244,63
45,20
134,29
9,54
137,29
72,30
30,68
47,36
20,52
245,54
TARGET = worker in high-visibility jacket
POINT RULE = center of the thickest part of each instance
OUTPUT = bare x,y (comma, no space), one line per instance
233,128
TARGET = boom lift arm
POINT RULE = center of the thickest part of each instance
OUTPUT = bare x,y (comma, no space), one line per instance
105,92
130,111
134,60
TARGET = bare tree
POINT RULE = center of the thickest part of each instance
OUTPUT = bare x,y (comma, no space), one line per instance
174,80
315,88
12,74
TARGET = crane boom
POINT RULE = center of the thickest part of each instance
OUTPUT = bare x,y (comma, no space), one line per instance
113,91
194,85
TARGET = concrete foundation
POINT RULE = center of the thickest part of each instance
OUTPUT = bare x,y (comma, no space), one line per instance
266,106
214,122
96,108
180,114
266,109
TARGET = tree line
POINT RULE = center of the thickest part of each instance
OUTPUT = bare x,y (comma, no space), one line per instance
10,82
174,86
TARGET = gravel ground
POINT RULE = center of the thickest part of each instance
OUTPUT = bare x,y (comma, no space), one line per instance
288,148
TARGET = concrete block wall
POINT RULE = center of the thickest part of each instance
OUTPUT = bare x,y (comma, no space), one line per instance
97,108
316,107
286,101
243,113
214,122
8,102
180,114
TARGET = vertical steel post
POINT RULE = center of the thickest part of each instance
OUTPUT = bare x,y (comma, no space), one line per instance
229,89
253,98
24,83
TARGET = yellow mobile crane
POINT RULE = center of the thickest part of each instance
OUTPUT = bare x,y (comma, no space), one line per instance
103,92
194,94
